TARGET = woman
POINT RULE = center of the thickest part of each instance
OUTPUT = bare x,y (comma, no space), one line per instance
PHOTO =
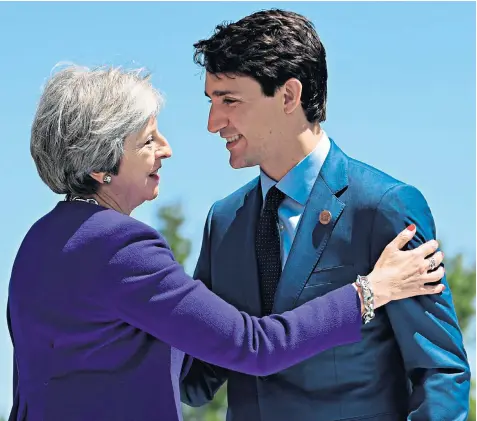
101,314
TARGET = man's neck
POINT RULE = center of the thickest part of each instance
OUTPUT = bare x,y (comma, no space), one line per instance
286,158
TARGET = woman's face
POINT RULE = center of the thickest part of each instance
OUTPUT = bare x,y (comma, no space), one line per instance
138,178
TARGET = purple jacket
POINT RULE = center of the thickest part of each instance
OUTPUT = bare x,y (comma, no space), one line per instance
100,315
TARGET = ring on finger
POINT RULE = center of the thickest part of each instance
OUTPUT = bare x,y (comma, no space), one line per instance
432,263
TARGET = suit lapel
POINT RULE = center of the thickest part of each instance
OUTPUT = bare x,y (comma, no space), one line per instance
236,254
312,235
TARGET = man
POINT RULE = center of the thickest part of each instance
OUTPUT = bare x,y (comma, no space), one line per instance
266,77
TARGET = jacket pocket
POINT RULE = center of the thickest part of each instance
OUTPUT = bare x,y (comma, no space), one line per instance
325,280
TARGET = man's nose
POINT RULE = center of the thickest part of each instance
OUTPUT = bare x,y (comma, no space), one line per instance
217,120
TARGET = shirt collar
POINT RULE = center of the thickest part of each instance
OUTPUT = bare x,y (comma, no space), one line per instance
298,182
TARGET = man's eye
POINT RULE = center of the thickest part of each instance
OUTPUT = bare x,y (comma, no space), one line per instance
224,101
149,140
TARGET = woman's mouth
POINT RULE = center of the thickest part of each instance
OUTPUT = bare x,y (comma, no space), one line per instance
154,175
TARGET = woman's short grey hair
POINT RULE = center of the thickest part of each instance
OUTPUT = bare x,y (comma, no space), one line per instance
82,120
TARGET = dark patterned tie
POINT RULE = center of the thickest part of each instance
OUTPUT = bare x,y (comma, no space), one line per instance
267,248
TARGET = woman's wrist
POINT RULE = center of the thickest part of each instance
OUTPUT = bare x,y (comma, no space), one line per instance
379,298
360,295
363,288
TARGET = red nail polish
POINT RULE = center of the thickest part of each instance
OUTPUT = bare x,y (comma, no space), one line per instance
411,227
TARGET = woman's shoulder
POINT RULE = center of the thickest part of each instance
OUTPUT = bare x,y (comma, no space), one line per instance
110,219
84,224
105,235
116,227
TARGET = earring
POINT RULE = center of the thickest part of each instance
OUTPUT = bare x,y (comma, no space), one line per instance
107,179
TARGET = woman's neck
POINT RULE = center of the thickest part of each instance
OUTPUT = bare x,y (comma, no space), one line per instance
108,201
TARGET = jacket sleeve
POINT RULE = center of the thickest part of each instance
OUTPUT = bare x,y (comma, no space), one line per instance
148,289
426,327
200,380
16,392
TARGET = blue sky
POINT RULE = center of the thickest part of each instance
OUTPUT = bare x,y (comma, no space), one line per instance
401,97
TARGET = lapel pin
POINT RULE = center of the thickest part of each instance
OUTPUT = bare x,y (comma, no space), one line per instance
325,217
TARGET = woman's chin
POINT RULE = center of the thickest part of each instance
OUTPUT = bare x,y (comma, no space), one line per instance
153,187
151,193
154,194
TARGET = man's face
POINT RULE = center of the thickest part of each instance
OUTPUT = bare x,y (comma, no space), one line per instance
247,120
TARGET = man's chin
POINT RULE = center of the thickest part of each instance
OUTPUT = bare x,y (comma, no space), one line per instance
237,164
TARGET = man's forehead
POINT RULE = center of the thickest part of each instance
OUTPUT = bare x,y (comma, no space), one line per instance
220,92
221,84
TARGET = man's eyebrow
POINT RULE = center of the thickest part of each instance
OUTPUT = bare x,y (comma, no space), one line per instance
221,93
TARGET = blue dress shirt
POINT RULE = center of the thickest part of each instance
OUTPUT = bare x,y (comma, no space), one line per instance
296,185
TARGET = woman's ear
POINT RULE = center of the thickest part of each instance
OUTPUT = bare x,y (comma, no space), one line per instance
98,176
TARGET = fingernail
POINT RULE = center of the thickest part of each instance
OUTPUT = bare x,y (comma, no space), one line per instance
411,227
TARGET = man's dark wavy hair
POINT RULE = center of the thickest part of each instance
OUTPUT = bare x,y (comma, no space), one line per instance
271,46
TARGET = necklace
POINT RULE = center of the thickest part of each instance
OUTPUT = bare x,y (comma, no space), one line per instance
70,198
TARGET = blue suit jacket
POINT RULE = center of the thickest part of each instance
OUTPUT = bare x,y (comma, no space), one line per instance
100,313
411,362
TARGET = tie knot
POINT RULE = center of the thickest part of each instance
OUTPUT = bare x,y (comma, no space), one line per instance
274,198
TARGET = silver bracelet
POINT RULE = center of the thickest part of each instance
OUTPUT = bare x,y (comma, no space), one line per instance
368,298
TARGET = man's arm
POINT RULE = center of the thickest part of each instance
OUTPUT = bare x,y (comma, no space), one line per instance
426,327
200,380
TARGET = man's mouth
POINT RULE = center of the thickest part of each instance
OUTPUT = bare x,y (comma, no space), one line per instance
233,139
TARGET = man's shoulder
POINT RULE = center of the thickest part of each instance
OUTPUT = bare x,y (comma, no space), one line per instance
366,175
376,184
235,199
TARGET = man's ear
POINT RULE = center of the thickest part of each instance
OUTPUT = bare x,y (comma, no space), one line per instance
292,95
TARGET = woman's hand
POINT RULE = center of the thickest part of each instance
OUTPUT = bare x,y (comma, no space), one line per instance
402,274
